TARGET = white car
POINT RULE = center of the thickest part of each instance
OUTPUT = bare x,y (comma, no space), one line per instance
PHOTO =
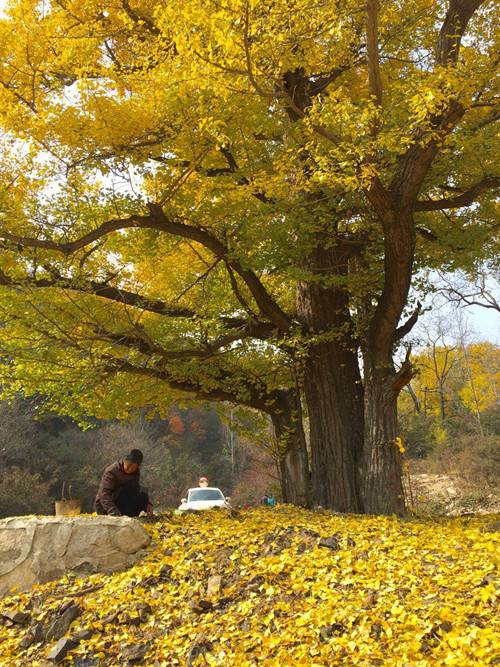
203,499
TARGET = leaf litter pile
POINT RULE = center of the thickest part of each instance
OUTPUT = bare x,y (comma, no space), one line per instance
273,587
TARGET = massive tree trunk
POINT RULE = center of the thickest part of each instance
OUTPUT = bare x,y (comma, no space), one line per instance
382,488
292,450
332,382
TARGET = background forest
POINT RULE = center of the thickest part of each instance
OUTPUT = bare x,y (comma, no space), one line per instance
39,453
450,418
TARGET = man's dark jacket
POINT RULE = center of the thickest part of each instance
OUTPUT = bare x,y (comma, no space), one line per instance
113,479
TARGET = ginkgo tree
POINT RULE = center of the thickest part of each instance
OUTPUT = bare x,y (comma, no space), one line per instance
267,166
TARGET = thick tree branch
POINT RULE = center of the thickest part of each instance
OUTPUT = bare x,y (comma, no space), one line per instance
380,199
394,205
318,84
143,344
140,19
103,290
296,97
68,248
159,221
467,197
140,341
226,384
455,23
263,299
405,328
405,373
251,396
247,328
415,163
237,292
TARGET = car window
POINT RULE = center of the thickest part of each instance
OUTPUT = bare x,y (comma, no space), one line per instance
205,494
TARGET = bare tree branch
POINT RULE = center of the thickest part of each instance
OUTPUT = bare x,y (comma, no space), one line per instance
473,292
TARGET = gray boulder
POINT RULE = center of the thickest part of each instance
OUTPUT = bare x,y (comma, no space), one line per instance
39,549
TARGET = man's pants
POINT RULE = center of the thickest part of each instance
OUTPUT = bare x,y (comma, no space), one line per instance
129,499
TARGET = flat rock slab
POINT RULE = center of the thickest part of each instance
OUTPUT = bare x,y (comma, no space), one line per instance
39,549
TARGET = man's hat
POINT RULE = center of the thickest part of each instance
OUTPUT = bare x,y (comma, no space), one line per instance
203,479
134,456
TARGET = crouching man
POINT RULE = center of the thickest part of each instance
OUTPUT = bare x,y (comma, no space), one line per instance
119,491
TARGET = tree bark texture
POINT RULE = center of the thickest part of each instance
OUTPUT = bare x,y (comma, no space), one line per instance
332,383
382,487
293,456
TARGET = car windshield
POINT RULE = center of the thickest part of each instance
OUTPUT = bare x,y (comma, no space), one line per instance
205,494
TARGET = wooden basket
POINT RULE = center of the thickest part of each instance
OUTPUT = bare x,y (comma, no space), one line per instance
68,507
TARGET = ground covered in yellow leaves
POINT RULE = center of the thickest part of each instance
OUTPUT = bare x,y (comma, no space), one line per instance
285,587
